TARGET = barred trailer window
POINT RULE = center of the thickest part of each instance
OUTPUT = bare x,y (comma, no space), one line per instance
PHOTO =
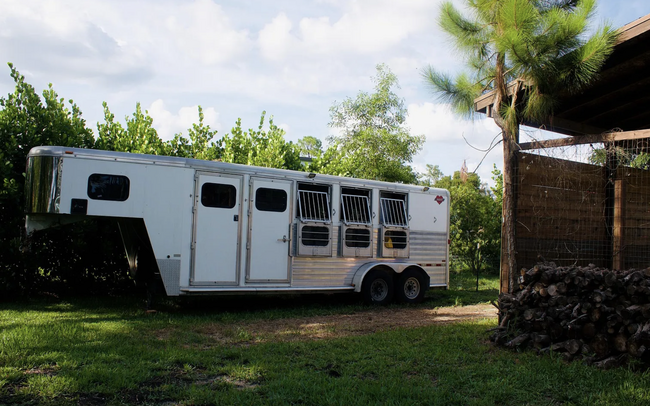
314,212
356,209
393,212
357,221
314,206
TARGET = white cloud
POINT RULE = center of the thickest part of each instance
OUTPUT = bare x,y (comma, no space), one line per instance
275,39
439,123
362,28
67,39
168,124
445,145
202,30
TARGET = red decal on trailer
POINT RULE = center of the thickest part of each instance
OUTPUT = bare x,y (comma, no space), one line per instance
440,199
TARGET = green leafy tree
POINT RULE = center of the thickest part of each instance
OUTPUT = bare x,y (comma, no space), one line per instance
631,157
497,189
374,142
199,145
541,48
310,147
260,147
475,221
139,136
26,121
432,175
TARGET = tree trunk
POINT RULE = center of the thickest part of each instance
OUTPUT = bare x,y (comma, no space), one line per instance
510,137
508,247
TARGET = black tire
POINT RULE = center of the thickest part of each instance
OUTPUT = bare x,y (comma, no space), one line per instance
377,287
411,286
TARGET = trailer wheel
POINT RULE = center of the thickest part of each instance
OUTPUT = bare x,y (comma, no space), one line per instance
377,287
411,286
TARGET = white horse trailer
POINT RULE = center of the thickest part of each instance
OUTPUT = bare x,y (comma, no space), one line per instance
218,228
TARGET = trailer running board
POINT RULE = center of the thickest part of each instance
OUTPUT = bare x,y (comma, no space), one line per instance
262,289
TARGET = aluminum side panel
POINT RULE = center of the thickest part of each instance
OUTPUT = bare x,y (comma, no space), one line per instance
429,249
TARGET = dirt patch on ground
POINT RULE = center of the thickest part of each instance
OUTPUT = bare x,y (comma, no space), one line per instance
321,327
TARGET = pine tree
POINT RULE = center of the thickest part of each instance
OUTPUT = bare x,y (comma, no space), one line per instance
526,53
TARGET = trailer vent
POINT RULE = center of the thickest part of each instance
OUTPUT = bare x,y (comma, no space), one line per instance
356,209
393,213
314,206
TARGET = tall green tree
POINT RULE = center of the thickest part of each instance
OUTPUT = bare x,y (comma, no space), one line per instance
28,120
475,221
526,53
432,175
260,147
139,136
310,147
374,142
200,144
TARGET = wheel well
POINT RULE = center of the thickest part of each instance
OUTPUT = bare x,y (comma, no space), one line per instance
388,269
419,270
360,276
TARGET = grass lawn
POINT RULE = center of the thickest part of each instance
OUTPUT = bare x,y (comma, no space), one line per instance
109,351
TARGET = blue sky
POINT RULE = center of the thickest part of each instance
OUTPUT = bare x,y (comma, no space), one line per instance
292,59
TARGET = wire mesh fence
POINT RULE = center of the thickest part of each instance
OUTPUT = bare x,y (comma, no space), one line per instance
586,204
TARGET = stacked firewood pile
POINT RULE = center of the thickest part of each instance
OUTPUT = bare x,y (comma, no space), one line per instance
597,315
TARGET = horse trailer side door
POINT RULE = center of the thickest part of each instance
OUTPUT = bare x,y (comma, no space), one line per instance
217,213
269,224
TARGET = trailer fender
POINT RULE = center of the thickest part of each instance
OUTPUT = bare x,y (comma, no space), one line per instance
397,267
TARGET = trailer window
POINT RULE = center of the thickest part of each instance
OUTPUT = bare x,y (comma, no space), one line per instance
395,239
314,206
315,236
108,187
357,238
271,200
393,211
315,226
356,209
218,195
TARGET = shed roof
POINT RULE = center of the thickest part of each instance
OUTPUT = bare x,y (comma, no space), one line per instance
618,99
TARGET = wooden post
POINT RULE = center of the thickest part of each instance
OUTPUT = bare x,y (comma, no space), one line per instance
618,229
611,163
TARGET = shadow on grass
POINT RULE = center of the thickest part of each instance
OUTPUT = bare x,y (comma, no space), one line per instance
461,292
